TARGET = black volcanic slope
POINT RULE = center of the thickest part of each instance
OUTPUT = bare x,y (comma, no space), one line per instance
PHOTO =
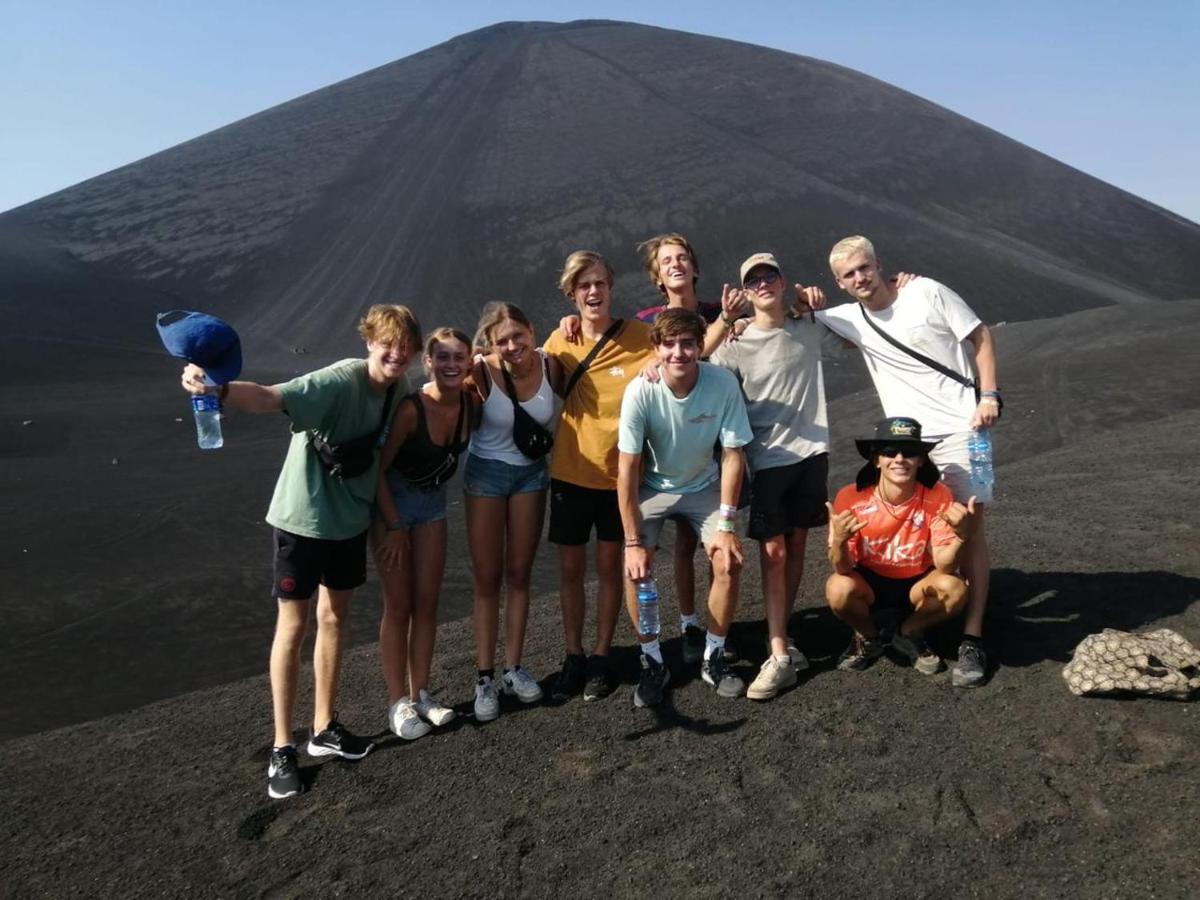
466,172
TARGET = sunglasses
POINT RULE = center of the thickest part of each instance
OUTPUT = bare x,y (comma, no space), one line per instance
765,278
906,452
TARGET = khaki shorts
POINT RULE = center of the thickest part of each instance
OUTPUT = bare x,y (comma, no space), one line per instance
701,510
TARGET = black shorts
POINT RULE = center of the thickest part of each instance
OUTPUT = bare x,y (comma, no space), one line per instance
301,563
785,498
574,510
890,593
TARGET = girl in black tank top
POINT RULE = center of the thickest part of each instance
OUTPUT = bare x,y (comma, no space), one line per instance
431,428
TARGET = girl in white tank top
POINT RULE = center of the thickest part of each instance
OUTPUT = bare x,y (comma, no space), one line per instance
505,495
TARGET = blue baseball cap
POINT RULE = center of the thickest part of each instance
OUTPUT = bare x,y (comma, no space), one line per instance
205,340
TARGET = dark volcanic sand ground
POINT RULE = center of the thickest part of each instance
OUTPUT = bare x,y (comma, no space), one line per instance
849,785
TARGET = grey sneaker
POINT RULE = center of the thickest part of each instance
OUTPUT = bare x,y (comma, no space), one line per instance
521,684
430,709
693,644
917,650
404,721
860,654
773,677
715,671
487,700
971,668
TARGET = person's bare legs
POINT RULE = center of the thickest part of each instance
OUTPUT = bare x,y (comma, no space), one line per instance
572,567
333,614
723,595
797,543
525,515
485,541
291,622
429,565
850,598
935,598
686,542
975,563
610,563
394,624
773,563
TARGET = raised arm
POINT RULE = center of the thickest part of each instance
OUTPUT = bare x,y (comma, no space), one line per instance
247,396
843,526
962,520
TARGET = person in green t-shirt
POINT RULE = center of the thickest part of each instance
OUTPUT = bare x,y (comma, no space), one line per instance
321,518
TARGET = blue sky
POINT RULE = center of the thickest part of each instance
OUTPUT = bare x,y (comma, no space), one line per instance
1112,88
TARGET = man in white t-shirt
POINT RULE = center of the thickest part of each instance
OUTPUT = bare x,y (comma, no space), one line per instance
934,321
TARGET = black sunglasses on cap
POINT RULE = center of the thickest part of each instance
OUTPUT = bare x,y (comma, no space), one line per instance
753,281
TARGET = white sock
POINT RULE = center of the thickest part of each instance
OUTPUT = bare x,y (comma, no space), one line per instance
713,643
653,650
685,621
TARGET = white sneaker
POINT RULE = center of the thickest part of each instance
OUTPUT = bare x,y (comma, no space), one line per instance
774,676
404,721
519,682
430,708
795,654
487,701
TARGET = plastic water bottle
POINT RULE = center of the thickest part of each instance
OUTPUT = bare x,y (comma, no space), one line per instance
207,410
979,450
647,600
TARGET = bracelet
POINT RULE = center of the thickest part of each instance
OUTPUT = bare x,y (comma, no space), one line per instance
728,511
989,393
728,526
995,401
728,321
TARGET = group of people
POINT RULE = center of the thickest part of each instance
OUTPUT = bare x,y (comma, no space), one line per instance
628,423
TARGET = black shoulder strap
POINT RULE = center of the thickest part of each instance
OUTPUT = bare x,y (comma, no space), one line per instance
582,368
920,357
509,386
387,405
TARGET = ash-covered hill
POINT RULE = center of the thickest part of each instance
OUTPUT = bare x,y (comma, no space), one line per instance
468,171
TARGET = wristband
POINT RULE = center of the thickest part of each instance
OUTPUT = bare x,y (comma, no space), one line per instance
995,401
728,526
989,394
728,511
728,321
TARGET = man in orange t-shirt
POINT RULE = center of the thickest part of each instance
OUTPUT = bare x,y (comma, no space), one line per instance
894,542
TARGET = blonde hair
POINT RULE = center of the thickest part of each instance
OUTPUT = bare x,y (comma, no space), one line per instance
649,250
847,247
578,263
389,323
493,314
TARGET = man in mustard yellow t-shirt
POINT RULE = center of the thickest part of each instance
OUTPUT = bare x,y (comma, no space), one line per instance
583,469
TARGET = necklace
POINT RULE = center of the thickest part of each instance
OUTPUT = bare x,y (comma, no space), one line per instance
893,509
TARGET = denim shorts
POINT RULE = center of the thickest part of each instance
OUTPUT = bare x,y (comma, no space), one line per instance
493,478
416,506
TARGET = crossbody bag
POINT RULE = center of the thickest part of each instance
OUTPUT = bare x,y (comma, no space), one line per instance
921,357
582,368
352,458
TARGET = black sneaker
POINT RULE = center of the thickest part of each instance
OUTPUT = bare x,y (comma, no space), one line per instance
598,686
655,676
693,644
571,678
715,671
860,654
917,650
971,669
335,740
283,773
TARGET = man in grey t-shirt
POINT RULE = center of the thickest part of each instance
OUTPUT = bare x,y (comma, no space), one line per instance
777,360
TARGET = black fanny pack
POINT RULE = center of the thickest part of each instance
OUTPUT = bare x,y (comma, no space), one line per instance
530,437
352,458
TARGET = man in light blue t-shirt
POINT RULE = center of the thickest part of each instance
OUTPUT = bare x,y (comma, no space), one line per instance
666,470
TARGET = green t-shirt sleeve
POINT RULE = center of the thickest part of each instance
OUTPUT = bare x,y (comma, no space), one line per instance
308,399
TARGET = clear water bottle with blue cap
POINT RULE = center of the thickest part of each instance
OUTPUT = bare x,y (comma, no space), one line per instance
979,451
647,604
207,410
